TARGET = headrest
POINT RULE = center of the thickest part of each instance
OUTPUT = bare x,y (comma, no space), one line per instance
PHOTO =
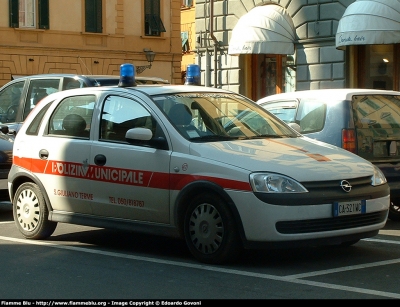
180,115
74,122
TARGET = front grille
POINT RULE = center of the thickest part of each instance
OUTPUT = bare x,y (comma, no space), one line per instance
330,224
323,192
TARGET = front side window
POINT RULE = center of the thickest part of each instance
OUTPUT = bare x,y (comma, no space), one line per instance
153,24
121,114
311,116
29,14
93,16
9,101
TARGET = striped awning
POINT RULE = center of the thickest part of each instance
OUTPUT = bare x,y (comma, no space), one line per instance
264,29
369,22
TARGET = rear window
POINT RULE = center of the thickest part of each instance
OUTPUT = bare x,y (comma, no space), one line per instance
377,122
376,111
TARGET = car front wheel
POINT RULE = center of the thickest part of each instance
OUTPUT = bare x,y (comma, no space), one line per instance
31,213
210,231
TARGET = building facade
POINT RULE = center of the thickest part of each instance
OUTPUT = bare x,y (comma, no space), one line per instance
258,48
89,37
188,34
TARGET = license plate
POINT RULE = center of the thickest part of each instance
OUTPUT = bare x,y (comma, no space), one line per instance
349,207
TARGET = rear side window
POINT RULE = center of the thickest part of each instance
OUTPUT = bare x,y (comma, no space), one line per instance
73,117
33,128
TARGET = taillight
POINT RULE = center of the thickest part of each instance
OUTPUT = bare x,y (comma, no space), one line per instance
349,140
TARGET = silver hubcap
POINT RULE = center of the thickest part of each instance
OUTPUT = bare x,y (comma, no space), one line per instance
28,211
206,229
395,207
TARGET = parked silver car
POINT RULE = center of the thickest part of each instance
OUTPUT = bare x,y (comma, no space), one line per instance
363,121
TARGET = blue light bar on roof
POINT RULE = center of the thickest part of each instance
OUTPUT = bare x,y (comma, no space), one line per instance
193,75
127,75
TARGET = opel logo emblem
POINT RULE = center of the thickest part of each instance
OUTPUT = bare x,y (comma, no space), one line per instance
346,186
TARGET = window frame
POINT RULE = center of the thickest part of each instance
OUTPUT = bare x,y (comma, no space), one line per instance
153,25
94,16
40,14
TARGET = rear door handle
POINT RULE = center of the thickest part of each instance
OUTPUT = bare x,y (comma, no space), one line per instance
43,154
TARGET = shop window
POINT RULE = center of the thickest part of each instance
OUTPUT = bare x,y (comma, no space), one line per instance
378,69
153,24
93,16
29,14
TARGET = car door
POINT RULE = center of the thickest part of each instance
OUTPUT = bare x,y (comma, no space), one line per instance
131,181
64,154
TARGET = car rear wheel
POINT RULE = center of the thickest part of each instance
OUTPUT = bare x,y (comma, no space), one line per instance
31,213
394,210
210,231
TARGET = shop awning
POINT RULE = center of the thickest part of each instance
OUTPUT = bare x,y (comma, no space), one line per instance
264,29
369,22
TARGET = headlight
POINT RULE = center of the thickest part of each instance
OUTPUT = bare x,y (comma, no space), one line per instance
378,177
275,183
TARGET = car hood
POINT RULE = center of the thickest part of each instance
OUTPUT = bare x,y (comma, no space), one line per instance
301,158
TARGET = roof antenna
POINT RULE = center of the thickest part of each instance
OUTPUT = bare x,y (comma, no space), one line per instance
97,82
85,65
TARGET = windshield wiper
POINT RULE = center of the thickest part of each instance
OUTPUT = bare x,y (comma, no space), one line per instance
213,138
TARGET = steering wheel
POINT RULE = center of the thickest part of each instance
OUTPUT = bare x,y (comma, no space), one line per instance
11,113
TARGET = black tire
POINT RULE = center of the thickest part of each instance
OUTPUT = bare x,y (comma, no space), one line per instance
349,243
11,113
210,231
31,213
394,211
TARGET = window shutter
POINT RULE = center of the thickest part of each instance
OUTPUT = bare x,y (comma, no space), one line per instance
185,41
99,16
13,6
93,16
153,23
44,14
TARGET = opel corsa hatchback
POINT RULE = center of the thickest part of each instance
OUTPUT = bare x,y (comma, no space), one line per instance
363,121
206,165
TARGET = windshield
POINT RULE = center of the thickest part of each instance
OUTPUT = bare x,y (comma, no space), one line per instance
219,116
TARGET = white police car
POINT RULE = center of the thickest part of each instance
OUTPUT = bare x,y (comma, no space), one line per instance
204,164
